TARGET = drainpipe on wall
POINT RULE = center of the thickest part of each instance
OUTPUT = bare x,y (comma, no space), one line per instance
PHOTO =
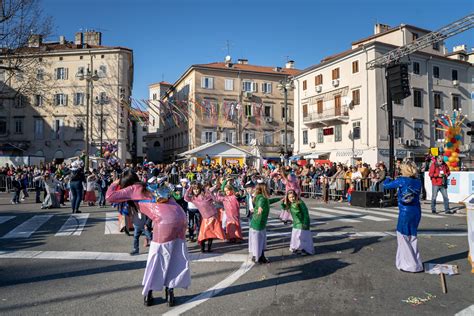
429,86
367,95
297,109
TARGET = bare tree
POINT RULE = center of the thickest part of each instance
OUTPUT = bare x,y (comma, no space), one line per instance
22,26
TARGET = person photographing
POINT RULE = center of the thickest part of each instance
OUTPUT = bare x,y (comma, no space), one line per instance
439,173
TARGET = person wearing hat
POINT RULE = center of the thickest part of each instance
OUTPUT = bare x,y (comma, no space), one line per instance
168,261
249,187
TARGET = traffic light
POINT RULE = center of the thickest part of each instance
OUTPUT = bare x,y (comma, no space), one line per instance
471,125
398,81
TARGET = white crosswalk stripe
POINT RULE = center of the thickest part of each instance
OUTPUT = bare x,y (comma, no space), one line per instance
27,228
389,210
381,213
364,216
74,225
111,223
331,217
4,219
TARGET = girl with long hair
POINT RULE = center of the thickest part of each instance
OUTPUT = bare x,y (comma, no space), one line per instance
232,213
210,227
301,235
168,264
258,224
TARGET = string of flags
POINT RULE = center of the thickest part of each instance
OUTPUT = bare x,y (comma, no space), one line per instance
175,112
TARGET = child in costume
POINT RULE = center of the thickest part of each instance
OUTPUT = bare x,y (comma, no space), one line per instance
409,190
210,225
168,264
291,182
232,213
258,224
301,235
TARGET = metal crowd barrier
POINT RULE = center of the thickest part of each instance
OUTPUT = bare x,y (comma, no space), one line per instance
313,188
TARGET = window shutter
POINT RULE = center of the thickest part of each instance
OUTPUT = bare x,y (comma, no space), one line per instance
243,86
214,136
223,135
56,73
65,99
232,137
203,137
263,88
211,83
203,82
66,73
269,87
254,87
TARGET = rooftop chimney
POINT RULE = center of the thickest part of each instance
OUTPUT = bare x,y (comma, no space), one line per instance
78,38
62,40
380,28
35,40
290,64
93,38
460,48
242,61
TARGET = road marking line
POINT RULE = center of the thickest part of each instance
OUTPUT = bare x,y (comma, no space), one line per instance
368,211
364,216
4,219
213,291
329,217
466,312
112,256
424,213
74,225
111,223
373,234
27,228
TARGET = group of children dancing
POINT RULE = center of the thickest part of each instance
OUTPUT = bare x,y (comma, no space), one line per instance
213,213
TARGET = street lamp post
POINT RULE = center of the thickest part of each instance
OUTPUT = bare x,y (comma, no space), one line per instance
101,100
284,86
90,76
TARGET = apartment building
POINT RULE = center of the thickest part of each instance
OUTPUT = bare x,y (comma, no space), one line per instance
341,106
138,131
154,138
238,102
43,108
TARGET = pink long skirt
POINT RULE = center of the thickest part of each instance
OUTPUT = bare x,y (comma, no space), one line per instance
167,265
210,228
302,240
285,215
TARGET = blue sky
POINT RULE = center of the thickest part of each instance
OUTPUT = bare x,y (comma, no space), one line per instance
169,36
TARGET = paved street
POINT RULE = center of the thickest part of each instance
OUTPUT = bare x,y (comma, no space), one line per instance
56,263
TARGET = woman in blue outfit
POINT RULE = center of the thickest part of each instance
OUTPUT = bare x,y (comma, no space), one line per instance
409,190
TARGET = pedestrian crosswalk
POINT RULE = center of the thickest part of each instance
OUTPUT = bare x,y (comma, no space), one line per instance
74,225
12,226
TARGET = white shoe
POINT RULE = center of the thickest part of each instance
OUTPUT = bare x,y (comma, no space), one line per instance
13,203
22,200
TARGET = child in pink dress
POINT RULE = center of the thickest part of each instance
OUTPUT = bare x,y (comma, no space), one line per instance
168,264
232,212
211,227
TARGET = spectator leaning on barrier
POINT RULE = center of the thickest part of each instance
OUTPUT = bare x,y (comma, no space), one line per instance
439,173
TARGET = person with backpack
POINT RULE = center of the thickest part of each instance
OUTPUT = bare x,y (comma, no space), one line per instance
409,190
439,173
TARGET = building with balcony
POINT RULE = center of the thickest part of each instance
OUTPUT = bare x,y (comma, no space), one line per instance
340,107
43,108
238,103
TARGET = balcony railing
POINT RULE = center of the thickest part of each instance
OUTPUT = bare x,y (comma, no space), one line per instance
329,116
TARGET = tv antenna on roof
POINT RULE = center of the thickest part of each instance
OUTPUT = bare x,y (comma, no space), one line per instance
227,47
